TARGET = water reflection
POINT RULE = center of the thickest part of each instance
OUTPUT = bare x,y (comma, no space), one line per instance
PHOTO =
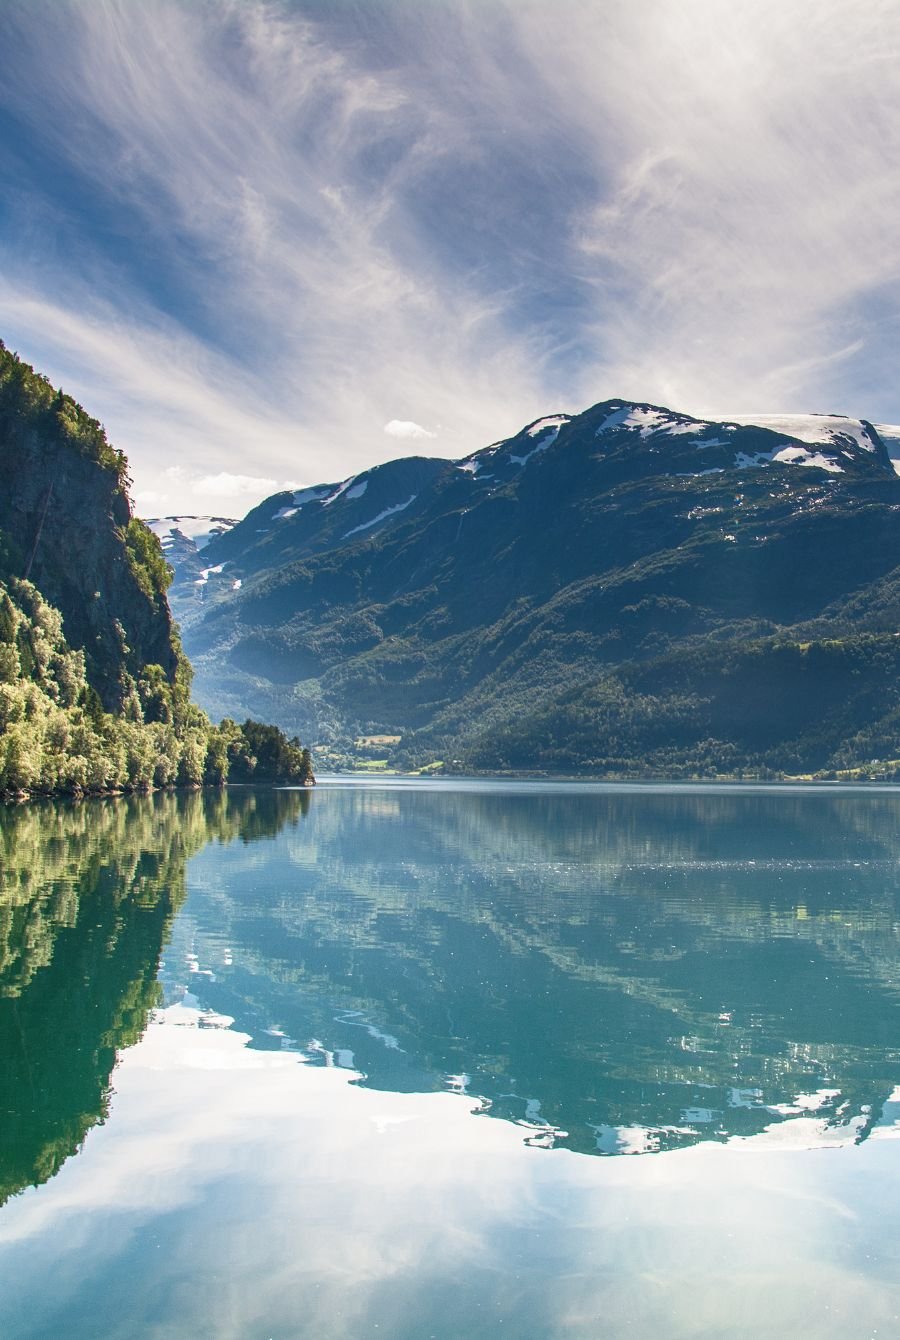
87,897
615,971
288,1151
638,971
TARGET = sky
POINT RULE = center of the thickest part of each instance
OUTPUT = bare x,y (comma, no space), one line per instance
270,244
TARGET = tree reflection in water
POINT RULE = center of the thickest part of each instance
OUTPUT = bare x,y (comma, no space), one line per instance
88,891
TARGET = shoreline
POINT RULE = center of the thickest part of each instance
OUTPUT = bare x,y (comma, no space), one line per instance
126,792
447,780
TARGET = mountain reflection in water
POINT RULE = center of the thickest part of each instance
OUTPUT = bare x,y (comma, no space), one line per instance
618,971
638,970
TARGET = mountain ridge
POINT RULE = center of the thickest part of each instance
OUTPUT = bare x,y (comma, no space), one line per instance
517,576
840,438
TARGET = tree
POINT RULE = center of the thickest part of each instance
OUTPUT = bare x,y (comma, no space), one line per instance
7,620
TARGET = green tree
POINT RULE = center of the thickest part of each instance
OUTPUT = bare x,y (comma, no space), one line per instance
7,620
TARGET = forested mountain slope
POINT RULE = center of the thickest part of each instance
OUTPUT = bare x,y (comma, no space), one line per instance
94,685
66,525
612,591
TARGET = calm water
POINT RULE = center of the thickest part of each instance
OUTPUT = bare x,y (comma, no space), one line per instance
452,1060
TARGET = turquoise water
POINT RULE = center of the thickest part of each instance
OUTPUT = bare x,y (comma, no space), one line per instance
452,1059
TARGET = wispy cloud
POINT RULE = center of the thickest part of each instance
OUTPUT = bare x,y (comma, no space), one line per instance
267,174
745,248
244,233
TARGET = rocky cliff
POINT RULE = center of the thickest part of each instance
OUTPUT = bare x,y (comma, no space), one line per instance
66,525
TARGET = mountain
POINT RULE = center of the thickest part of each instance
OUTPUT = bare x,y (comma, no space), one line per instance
183,534
66,526
623,590
183,539
94,684
293,524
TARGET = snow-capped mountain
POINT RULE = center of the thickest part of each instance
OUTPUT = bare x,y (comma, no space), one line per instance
173,531
291,525
183,539
440,600
827,442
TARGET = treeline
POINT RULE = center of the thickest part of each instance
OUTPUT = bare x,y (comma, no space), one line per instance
763,708
56,737
29,399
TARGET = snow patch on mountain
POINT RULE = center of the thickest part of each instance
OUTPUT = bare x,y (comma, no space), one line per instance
200,529
549,431
791,455
339,492
542,425
648,421
318,494
472,464
813,428
890,436
205,574
833,434
680,428
631,416
800,456
315,493
388,511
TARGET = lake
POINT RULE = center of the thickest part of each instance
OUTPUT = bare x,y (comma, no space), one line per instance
452,1059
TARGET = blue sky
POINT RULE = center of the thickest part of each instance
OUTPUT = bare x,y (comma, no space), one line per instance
252,236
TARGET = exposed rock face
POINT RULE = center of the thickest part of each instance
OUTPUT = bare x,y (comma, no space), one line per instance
64,523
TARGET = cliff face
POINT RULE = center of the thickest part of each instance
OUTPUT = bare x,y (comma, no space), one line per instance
66,525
